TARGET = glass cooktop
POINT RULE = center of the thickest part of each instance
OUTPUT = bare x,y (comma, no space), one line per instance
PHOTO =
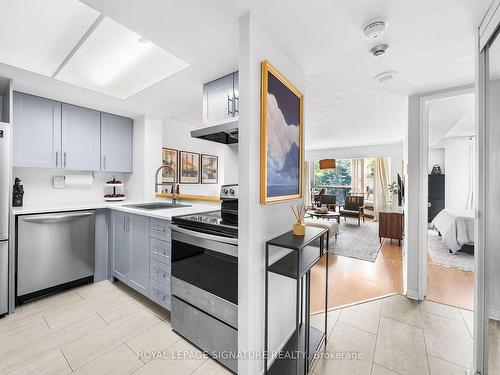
212,220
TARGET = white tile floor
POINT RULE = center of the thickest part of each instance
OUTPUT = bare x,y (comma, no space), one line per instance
96,329
399,336
103,328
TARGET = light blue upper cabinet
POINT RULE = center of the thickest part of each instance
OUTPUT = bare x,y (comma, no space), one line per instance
116,143
36,132
219,102
81,148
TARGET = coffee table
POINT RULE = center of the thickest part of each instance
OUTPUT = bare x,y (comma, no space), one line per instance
329,215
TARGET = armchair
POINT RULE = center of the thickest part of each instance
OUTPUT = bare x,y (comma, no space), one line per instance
330,200
353,207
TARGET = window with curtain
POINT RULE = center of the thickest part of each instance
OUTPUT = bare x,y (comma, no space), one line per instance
336,181
350,175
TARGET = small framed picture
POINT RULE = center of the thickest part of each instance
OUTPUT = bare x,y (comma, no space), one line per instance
189,171
209,169
169,157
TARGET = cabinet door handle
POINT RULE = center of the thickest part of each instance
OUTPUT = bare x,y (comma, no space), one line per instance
161,252
64,156
57,159
229,105
104,162
156,229
236,105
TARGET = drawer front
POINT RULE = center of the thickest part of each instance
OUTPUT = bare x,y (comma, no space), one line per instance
159,293
159,272
160,250
205,332
160,229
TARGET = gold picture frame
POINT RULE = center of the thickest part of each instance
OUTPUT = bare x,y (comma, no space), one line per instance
280,185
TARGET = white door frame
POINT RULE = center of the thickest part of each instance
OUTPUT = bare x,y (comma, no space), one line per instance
486,34
418,149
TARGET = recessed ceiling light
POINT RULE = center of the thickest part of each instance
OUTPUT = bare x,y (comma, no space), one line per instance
379,50
384,77
373,29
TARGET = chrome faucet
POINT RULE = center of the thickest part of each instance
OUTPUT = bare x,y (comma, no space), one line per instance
174,198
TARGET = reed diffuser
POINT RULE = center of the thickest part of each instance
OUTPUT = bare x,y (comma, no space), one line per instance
299,228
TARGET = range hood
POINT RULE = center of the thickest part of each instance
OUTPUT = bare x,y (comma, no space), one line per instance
225,133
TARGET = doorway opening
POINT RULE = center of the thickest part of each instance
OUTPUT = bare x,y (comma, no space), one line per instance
450,199
364,264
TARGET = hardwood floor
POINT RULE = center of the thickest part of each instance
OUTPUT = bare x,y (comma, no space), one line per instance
450,286
353,280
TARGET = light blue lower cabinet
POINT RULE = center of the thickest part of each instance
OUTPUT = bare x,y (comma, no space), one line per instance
138,228
159,293
140,256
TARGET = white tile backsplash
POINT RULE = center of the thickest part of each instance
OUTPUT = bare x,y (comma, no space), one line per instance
39,188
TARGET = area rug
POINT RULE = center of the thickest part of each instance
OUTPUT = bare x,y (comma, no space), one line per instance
357,242
441,256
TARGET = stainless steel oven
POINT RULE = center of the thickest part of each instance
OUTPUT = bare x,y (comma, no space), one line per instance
205,272
204,283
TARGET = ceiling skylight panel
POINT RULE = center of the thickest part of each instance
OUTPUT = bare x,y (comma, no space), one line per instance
37,35
117,62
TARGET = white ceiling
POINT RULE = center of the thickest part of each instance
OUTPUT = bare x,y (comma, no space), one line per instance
451,117
431,46
342,115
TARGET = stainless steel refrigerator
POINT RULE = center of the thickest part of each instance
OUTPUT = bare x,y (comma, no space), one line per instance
5,144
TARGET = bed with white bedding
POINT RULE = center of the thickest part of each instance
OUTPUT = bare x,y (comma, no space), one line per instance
456,227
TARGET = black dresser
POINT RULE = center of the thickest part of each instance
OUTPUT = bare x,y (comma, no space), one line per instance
436,195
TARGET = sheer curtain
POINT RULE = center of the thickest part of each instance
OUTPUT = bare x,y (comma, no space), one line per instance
306,177
381,193
358,175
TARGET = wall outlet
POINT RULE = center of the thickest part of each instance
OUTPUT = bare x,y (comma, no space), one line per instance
58,182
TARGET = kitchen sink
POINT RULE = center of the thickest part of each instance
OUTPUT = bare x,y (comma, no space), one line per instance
156,206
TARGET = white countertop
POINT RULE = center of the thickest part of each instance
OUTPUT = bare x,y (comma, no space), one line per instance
195,207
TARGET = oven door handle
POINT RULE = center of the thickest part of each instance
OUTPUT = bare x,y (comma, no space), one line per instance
229,240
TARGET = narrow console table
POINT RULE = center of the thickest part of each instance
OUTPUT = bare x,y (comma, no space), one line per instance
299,351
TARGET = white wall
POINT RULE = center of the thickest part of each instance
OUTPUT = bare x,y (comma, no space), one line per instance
436,156
458,173
259,223
39,190
177,135
393,150
146,158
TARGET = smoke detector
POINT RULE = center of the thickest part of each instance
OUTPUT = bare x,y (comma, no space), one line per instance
379,50
383,77
374,28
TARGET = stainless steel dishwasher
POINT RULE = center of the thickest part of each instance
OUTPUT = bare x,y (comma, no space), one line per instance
54,251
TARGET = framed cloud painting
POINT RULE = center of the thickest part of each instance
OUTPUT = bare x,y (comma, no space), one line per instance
281,142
